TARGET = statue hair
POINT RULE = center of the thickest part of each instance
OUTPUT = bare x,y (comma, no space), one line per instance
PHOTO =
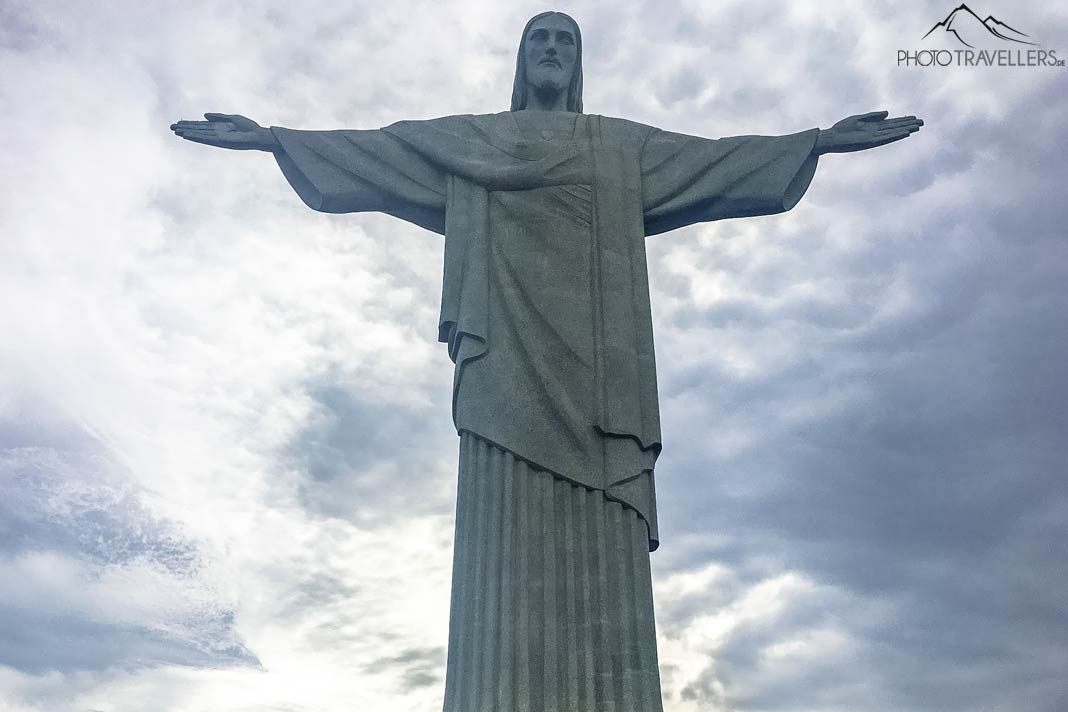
574,89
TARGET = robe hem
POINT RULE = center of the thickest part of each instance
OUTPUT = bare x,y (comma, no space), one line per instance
654,544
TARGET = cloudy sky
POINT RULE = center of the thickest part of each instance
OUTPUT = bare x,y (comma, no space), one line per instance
227,468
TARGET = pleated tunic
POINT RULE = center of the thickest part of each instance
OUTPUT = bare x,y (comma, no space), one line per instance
552,601
546,313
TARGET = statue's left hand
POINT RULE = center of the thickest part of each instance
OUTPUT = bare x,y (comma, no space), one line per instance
857,133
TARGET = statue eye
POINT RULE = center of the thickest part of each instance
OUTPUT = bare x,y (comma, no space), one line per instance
565,38
540,35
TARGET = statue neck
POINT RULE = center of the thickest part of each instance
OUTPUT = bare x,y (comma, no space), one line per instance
546,99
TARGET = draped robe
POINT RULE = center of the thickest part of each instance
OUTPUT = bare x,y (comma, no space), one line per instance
545,299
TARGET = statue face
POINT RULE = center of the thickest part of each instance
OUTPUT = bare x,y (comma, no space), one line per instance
550,51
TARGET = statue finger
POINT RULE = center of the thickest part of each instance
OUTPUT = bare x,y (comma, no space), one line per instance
190,125
219,117
897,121
874,116
207,139
890,138
206,127
895,127
194,134
891,132
911,128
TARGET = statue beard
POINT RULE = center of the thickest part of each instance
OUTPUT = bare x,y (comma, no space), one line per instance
547,90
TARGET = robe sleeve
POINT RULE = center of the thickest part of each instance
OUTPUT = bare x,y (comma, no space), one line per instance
688,179
361,171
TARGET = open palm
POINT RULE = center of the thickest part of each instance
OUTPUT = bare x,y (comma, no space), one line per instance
863,131
232,131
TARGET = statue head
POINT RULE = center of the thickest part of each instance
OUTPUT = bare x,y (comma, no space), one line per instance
549,60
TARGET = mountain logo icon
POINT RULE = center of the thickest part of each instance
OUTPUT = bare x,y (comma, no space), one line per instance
971,31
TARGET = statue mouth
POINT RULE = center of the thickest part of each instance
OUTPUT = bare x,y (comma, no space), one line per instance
550,60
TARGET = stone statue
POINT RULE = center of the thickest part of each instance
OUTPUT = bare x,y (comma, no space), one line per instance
545,311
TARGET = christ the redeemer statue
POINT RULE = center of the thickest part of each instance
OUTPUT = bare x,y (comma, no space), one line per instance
545,310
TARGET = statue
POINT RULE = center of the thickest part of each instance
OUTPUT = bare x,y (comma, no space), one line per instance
545,311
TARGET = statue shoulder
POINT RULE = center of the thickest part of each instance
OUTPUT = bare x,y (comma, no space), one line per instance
502,127
622,131
465,125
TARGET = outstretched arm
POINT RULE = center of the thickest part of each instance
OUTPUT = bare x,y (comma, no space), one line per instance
338,171
864,131
687,179
233,131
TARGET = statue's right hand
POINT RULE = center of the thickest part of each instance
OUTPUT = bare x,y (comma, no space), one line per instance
233,131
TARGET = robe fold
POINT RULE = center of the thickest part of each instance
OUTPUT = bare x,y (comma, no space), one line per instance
545,298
